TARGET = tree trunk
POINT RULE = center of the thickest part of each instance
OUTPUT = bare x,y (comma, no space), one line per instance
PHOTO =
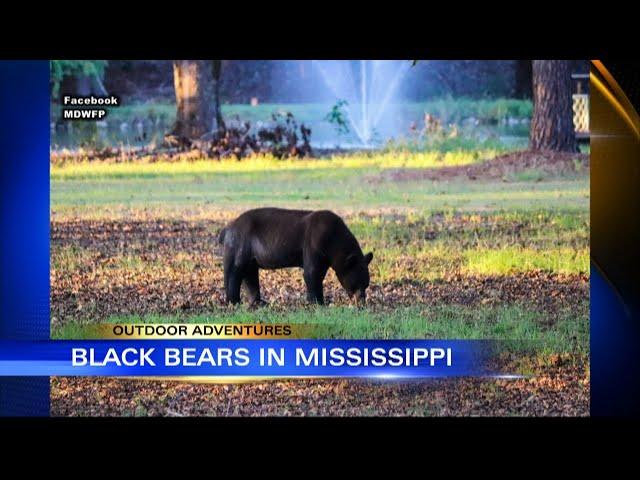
217,70
81,86
198,109
552,124
523,79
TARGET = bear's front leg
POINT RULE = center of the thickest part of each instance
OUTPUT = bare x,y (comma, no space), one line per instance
313,277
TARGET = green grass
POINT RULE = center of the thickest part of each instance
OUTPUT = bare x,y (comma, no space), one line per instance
486,244
175,197
541,229
69,257
352,182
530,330
467,140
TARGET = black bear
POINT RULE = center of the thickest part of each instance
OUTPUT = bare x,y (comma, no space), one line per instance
273,238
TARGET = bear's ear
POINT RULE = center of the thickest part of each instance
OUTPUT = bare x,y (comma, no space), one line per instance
368,257
351,260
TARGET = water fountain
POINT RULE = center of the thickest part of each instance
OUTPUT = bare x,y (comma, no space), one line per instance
369,87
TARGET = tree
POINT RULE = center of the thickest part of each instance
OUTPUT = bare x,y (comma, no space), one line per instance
217,70
197,90
76,77
523,87
552,124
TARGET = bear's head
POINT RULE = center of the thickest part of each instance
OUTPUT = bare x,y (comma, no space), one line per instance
354,276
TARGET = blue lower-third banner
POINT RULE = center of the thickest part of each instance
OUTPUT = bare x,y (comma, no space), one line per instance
249,358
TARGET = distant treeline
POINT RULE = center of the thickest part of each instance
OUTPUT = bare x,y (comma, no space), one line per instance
296,81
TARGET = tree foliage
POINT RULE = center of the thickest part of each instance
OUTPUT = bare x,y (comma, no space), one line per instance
59,69
338,118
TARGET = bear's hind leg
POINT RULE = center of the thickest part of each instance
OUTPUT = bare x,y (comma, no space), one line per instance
252,284
232,279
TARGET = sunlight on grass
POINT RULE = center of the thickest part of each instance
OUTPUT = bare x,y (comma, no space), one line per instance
86,170
514,259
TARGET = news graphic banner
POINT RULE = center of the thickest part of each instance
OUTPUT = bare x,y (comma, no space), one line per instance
24,223
249,358
249,351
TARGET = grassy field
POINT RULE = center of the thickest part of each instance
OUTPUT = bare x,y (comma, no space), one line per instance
503,258
419,231
346,184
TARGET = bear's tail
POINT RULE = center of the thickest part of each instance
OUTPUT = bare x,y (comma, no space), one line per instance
221,235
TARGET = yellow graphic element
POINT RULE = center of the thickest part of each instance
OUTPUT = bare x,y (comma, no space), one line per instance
195,331
611,91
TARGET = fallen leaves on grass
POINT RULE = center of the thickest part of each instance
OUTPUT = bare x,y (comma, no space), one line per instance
100,269
558,389
105,268
501,167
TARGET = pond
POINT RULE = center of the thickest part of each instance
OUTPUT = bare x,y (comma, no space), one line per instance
145,126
